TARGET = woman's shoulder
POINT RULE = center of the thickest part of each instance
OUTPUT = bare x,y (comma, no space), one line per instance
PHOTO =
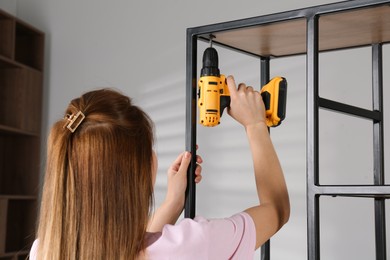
213,236
200,226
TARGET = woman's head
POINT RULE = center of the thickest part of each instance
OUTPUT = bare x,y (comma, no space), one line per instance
98,187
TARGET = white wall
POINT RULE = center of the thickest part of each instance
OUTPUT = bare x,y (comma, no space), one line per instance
139,48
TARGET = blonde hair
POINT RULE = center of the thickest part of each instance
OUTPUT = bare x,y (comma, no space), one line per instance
98,187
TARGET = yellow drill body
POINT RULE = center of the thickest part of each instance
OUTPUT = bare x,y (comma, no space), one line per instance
214,96
211,88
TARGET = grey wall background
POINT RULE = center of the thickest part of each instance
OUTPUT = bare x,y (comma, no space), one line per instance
139,48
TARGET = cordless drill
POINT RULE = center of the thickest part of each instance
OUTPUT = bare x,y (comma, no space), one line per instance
214,94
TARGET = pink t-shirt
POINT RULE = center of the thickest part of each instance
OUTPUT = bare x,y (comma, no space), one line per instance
215,239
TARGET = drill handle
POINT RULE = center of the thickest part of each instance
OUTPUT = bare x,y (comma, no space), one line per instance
224,103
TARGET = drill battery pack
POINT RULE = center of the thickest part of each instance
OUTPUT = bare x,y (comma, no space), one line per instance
274,96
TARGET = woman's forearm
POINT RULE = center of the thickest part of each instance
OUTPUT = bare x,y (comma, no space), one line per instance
167,213
270,182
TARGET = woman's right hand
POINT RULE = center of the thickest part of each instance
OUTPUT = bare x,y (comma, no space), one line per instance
246,105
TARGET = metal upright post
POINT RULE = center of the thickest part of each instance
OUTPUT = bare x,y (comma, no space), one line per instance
264,78
312,168
191,87
377,98
264,70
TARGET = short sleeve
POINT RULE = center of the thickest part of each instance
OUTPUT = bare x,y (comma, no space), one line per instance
228,238
33,251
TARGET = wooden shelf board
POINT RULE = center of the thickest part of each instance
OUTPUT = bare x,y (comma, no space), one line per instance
17,197
340,30
15,254
8,63
12,130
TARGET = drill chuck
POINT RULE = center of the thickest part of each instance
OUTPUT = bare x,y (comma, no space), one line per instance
210,63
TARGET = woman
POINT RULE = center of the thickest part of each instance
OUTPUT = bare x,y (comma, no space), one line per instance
98,189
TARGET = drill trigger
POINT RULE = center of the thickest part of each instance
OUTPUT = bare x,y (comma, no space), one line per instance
224,102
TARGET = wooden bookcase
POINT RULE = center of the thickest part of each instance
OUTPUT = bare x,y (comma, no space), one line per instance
21,80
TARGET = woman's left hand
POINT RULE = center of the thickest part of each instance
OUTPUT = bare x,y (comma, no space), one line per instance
177,177
170,210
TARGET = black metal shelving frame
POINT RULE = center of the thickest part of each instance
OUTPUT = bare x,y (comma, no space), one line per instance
379,191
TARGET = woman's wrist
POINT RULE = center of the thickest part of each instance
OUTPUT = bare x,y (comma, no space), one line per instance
261,125
175,205
168,213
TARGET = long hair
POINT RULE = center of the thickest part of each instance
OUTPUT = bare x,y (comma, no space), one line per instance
98,186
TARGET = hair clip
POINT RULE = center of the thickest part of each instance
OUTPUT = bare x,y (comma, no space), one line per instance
74,121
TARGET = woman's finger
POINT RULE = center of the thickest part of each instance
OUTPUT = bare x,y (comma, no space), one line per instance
185,161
